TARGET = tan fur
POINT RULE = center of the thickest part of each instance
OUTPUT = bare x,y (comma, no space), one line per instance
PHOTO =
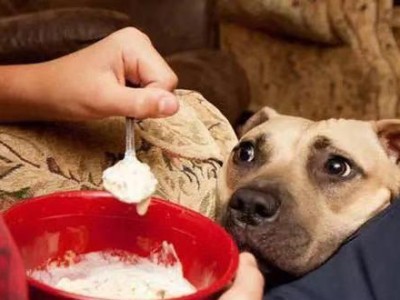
318,218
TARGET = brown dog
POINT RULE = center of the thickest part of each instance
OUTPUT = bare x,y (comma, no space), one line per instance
294,190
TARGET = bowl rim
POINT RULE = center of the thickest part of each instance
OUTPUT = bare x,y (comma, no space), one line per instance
219,285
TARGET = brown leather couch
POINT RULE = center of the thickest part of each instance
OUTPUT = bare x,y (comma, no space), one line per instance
184,31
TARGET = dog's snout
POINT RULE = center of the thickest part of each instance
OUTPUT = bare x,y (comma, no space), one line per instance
253,207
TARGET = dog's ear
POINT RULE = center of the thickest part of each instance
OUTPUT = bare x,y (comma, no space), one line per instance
258,118
389,134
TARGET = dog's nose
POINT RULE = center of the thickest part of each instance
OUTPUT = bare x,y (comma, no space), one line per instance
253,207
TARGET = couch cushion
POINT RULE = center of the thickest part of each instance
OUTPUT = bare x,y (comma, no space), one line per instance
185,152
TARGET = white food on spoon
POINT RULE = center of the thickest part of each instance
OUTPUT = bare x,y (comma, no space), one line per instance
130,180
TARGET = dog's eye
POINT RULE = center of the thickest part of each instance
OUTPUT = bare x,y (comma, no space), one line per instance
245,152
338,166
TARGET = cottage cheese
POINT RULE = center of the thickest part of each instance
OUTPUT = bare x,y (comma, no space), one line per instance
131,181
106,275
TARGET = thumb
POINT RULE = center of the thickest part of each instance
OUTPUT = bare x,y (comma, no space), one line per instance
249,282
144,103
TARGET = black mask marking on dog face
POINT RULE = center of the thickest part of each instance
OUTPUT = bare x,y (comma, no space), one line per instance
328,165
252,153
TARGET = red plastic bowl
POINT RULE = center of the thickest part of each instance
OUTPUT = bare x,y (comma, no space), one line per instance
48,226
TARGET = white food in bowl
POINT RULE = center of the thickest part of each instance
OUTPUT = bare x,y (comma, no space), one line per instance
106,275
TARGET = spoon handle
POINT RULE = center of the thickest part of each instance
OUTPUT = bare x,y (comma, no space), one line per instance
130,137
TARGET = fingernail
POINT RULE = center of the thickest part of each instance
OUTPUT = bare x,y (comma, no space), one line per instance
167,105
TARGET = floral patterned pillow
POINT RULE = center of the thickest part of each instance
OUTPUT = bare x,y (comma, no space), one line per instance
185,151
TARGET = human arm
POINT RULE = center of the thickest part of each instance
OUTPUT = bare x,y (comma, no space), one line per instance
91,83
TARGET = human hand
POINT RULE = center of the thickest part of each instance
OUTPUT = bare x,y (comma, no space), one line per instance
91,83
249,282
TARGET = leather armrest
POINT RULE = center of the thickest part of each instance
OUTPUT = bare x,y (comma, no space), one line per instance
173,25
45,35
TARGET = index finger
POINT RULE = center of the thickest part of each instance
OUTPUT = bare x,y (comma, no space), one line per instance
143,65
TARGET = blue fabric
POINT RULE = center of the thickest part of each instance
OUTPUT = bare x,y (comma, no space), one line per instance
366,267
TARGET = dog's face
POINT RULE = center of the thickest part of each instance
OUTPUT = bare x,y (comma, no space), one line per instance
294,190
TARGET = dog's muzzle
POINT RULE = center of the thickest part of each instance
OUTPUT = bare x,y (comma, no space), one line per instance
253,207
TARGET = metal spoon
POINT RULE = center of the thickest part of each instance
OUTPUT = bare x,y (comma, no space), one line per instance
130,152
130,137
